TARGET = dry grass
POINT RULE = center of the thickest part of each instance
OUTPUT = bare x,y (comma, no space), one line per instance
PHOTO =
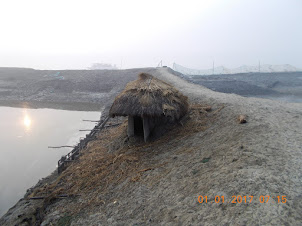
150,96
98,170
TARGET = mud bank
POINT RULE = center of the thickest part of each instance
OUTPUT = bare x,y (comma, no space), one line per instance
63,89
121,181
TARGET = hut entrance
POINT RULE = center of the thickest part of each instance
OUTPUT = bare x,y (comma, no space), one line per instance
135,126
138,126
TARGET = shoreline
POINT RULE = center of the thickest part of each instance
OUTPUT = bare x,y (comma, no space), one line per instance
42,178
71,106
35,203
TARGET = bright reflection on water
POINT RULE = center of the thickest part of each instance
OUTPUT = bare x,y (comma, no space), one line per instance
27,122
25,135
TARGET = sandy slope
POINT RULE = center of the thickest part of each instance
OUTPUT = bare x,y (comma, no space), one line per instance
261,157
273,139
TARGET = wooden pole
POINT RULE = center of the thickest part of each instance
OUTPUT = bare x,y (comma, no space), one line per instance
85,120
59,196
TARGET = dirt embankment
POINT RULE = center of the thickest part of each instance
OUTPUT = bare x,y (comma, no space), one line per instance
121,181
277,84
83,90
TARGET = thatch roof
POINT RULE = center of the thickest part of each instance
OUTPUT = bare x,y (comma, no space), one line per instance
151,97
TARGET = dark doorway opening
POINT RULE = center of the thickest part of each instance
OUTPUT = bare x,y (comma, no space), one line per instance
138,126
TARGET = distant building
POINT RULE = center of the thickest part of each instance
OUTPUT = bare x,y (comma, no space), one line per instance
102,66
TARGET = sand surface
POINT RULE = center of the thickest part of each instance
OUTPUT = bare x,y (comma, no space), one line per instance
272,140
260,158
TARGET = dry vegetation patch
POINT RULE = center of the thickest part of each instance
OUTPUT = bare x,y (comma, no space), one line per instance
99,169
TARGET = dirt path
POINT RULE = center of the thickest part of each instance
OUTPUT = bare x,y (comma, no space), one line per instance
273,137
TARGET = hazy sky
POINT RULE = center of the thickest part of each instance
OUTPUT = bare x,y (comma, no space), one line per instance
62,34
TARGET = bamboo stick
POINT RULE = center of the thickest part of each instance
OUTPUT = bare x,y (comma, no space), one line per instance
65,146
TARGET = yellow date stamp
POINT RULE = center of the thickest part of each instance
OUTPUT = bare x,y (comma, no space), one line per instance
243,199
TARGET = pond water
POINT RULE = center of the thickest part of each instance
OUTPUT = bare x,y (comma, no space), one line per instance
25,135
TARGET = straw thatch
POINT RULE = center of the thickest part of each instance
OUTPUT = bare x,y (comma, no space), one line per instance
151,97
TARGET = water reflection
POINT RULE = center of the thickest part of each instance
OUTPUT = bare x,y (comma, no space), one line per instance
27,122
25,135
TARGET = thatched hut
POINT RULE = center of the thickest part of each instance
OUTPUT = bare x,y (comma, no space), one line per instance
149,102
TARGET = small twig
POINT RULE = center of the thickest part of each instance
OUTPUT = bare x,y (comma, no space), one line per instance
117,158
144,170
218,110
